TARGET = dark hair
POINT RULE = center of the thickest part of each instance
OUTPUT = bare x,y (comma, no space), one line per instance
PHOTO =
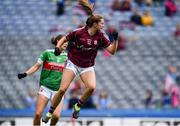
54,40
93,19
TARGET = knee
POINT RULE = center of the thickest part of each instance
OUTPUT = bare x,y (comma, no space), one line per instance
91,88
62,91
56,116
38,115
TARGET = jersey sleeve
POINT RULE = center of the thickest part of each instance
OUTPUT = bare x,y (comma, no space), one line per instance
42,57
105,42
71,36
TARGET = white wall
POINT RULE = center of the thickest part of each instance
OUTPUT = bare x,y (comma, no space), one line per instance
100,121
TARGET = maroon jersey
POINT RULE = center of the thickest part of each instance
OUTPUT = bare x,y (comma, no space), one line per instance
83,49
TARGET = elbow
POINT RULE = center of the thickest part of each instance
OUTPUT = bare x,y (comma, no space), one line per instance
112,52
112,48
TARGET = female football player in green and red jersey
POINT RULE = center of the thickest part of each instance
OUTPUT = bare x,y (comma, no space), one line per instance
51,74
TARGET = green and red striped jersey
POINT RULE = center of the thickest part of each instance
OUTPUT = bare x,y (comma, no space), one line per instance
52,69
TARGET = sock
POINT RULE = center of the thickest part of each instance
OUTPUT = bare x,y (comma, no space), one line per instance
51,110
80,103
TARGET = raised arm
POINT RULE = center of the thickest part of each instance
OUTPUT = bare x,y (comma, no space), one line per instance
60,42
113,46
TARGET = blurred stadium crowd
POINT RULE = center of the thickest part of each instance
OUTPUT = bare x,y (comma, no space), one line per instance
145,72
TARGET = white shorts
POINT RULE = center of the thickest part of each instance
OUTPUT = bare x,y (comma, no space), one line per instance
47,92
76,69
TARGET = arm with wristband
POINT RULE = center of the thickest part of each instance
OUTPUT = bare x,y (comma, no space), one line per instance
57,48
30,71
34,68
113,47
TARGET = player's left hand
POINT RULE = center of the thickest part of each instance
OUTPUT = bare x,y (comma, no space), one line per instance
115,35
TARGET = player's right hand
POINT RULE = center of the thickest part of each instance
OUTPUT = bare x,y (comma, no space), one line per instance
57,51
21,75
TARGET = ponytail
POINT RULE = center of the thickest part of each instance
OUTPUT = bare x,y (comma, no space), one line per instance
87,6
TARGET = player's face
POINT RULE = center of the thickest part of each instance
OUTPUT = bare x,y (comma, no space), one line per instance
100,25
64,46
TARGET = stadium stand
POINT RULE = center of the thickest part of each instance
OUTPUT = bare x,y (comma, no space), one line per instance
24,33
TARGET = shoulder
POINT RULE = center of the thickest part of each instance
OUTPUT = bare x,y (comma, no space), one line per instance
103,34
75,32
80,30
49,50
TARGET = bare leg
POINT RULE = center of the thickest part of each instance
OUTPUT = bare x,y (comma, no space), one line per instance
41,104
68,76
89,79
56,114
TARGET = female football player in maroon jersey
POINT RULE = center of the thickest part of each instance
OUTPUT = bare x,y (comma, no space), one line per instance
84,44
